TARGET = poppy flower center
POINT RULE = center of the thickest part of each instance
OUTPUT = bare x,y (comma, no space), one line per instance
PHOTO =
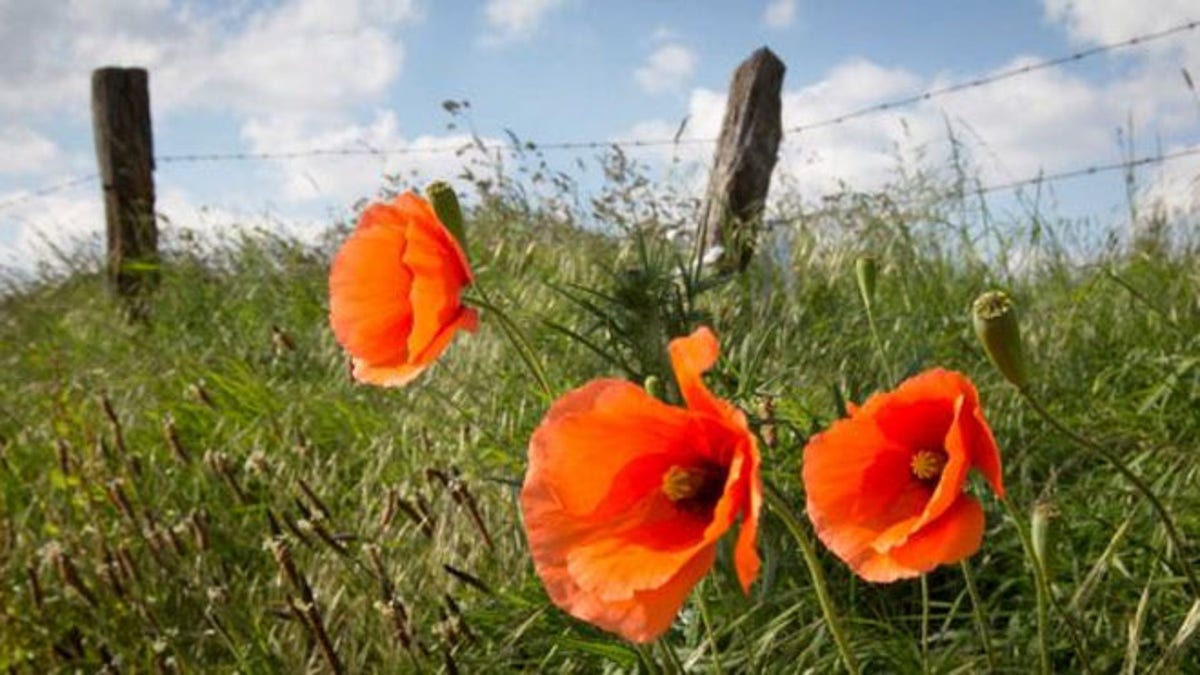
928,464
694,487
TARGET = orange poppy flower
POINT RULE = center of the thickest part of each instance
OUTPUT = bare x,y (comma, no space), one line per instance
885,486
394,291
625,496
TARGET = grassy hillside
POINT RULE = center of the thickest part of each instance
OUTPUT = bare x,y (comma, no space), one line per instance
167,486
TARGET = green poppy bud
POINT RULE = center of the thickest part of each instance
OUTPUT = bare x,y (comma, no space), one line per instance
866,270
995,319
654,387
1039,528
445,205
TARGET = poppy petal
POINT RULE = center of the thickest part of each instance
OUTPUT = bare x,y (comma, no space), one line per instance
596,431
368,289
420,212
865,499
691,357
387,376
858,486
957,445
918,413
745,551
644,617
620,499
985,453
951,538
438,279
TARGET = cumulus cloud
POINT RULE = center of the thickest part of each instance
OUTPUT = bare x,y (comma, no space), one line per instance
311,53
1154,88
515,20
26,151
666,69
1049,120
387,156
1100,21
779,14
318,61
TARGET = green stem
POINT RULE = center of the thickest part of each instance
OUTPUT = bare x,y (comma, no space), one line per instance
1134,479
518,340
670,658
883,357
981,623
708,629
925,624
780,506
646,656
1041,593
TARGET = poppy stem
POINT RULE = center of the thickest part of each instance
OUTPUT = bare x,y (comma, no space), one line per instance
708,629
1040,589
879,349
646,656
780,506
981,623
517,339
670,658
925,624
1134,479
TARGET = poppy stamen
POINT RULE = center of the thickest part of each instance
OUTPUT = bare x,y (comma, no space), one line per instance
693,485
928,464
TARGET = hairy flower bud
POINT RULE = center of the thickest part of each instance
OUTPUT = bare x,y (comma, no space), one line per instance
995,319
1039,527
445,205
866,270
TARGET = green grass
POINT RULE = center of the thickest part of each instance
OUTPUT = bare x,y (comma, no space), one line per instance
150,554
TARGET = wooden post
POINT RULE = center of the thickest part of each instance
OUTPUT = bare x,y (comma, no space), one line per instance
744,160
125,153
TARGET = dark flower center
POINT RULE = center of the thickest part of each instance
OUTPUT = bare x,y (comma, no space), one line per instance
696,487
928,464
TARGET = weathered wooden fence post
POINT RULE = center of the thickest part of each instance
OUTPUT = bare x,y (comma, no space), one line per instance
125,153
744,159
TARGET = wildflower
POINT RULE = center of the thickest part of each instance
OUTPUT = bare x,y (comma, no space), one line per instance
394,291
625,496
885,486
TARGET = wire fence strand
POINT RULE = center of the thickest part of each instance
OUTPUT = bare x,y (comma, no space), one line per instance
790,133
47,190
1000,76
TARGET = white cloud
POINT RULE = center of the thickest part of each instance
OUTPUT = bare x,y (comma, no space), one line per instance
320,54
26,151
31,230
514,20
346,179
1174,187
779,14
1100,21
667,68
1048,120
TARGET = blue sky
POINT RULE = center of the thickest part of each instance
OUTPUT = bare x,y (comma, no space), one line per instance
305,74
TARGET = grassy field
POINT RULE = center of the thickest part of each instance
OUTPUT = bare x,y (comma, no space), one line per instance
208,491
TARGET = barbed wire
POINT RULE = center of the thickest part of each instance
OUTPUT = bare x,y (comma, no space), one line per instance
938,92
529,146
1086,171
47,190
884,106
790,133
